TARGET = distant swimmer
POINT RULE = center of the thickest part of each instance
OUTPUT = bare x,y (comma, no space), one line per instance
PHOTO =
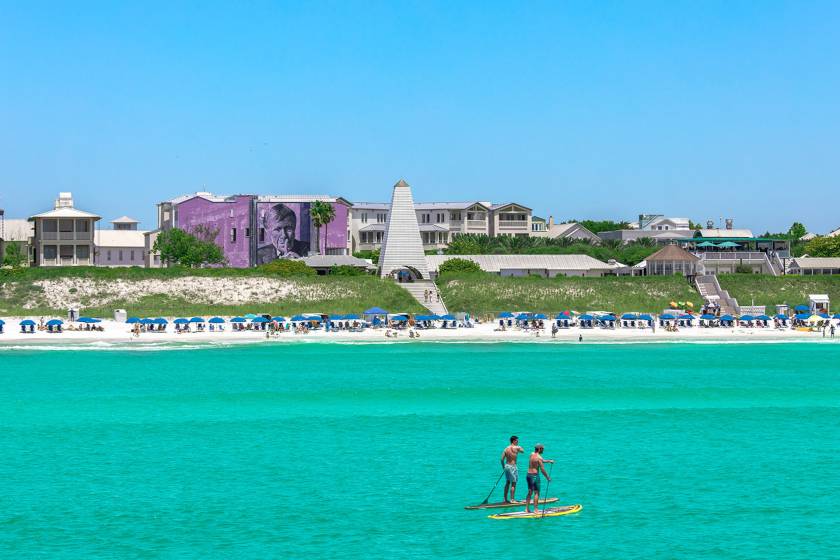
509,464
535,464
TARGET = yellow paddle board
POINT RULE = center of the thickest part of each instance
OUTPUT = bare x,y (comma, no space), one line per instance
517,503
548,512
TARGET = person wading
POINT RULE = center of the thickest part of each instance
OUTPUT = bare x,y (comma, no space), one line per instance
509,465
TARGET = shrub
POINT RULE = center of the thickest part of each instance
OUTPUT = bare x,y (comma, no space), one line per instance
287,267
458,266
347,270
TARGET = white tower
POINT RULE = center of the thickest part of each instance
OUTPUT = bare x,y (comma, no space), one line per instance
402,247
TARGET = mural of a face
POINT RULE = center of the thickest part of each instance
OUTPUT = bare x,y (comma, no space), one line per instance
280,223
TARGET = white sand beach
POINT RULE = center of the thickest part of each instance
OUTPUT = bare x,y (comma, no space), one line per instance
117,333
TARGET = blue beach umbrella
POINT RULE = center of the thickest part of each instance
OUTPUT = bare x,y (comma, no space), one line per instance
216,320
426,317
824,316
238,320
399,319
160,321
586,317
352,317
336,317
132,320
297,318
747,318
196,320
448,317
628,317
803,316
708,317
686,317
250,316
27,323
539,316
727,318
279,319
375,311
88,320
505,315
607,318
181,321
645,317
836,316
782,317
55,323
667,317
763,318
801,308
259,320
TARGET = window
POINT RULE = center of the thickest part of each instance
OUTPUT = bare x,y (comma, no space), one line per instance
382,218
262,234
50,251
233,235
83,226
425,218
65,226
108,254
50,226
120,253
83,251
247,232
455,216
440,217
364,217
131,256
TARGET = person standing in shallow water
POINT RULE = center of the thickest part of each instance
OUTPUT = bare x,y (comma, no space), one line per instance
509,465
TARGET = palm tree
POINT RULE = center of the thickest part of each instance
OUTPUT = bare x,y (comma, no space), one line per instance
322,214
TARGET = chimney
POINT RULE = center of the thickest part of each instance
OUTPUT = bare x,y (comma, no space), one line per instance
710,224
550,222
729,222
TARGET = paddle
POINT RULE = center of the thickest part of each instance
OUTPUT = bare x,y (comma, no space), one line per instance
493,490
547,484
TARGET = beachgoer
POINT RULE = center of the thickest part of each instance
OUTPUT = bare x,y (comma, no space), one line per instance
509,465
535,464
580,338
832,331
554,330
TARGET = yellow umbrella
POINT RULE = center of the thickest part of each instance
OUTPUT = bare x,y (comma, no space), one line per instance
815,319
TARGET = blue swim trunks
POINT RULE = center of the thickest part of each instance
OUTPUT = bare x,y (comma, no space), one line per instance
533,482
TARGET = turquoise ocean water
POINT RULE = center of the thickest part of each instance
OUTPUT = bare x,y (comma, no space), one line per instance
348,451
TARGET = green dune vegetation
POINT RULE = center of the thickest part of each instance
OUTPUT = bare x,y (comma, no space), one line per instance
481,293
185,291
771,290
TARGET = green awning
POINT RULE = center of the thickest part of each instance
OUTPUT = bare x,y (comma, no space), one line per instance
707,244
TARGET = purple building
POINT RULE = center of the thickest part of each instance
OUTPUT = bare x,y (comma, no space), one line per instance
253,229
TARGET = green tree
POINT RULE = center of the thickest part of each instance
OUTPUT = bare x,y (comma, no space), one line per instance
796,231
322,214
596,226
823,247
458,266
14,256
347,270
176,246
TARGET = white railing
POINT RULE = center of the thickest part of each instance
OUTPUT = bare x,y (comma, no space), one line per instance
514,223
49,235
477,223
733,256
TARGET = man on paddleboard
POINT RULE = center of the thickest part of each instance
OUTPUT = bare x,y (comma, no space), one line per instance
509,465
535,464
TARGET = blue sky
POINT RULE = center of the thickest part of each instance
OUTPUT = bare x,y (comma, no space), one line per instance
576,109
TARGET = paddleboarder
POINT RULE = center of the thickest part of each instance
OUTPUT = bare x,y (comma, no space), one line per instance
536,463
509,465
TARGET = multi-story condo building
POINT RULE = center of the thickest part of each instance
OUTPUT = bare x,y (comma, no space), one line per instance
63,236
255,229
439,222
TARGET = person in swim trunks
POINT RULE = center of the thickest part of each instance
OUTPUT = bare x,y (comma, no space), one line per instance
509,465
535,464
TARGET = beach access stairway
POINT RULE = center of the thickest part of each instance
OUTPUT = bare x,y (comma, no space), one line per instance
418,288
709,288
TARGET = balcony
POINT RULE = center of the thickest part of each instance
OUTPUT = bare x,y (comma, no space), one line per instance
757,256
519,224
476,223
65,235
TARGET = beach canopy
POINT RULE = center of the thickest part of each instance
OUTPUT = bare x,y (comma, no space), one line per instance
523,316
727,318
448,317
505,315
645,317
586,317
399,318
279,319
629,317
88,320
250,316
55,323
782,317
667,317
763,318
160,321
336,317
836,316
540,316
375,311
351,317
132,320
747,318
607,318
27,323
216,320
564,316
238,320
146,321
686,317
181,321
825,316
2,322
801,307
196,320
802,316
708,317
259,320
427,317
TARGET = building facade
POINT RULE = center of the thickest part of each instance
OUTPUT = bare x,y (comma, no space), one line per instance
123,245
63,236
255,229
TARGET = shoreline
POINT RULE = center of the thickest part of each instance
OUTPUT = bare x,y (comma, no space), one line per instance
118,335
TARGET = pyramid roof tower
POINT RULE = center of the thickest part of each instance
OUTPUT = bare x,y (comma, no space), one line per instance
402,246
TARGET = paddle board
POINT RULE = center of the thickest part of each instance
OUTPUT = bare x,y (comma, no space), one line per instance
518,503
549,512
